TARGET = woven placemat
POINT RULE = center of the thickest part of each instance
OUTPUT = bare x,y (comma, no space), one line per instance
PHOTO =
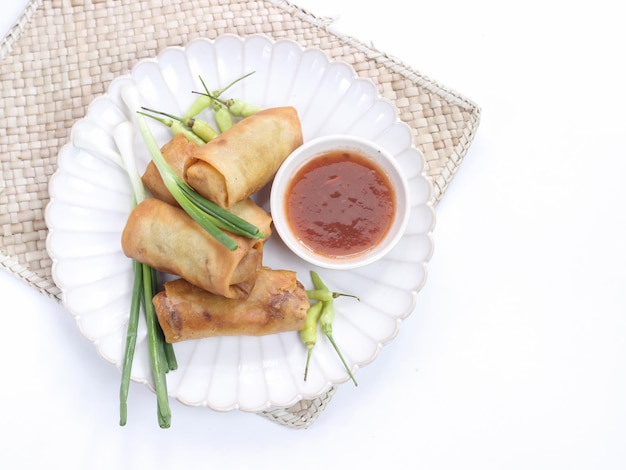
64,53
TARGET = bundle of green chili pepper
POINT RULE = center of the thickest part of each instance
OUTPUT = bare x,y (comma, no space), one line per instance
321,312
198,130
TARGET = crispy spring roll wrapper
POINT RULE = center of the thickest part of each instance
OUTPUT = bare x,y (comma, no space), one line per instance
245,158
249,211
277,303
178,154
166,238
246,209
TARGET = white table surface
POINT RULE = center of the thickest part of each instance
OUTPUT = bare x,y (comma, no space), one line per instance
515,357
11,12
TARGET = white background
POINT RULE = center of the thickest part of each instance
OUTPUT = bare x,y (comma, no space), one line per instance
515,357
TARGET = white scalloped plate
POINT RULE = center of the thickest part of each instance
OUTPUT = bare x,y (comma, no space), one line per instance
90,201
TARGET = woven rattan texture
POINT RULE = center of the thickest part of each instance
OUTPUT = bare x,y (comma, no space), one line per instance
64,53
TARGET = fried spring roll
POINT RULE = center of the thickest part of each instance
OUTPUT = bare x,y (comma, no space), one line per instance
245,158
277,303
166,238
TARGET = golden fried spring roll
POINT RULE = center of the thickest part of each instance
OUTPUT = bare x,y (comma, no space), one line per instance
245,158
277,303
166,238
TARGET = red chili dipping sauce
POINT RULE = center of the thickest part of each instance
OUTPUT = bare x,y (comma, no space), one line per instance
340,204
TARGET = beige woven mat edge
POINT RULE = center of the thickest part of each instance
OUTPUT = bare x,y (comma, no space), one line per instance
56,89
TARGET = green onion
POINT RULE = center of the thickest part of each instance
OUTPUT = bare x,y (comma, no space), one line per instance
144,289
222,218
131,339
157,352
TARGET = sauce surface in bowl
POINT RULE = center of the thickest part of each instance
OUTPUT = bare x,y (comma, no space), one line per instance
340,204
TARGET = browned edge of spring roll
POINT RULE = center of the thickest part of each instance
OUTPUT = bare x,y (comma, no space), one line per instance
178,154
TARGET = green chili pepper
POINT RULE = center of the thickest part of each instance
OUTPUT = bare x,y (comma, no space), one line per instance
177,128
199,127
223,118
326,317
205,101
325,294
326,321
202,129
241,109
309,333
201,103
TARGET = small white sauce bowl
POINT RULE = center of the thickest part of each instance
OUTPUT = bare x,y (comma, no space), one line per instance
313,149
